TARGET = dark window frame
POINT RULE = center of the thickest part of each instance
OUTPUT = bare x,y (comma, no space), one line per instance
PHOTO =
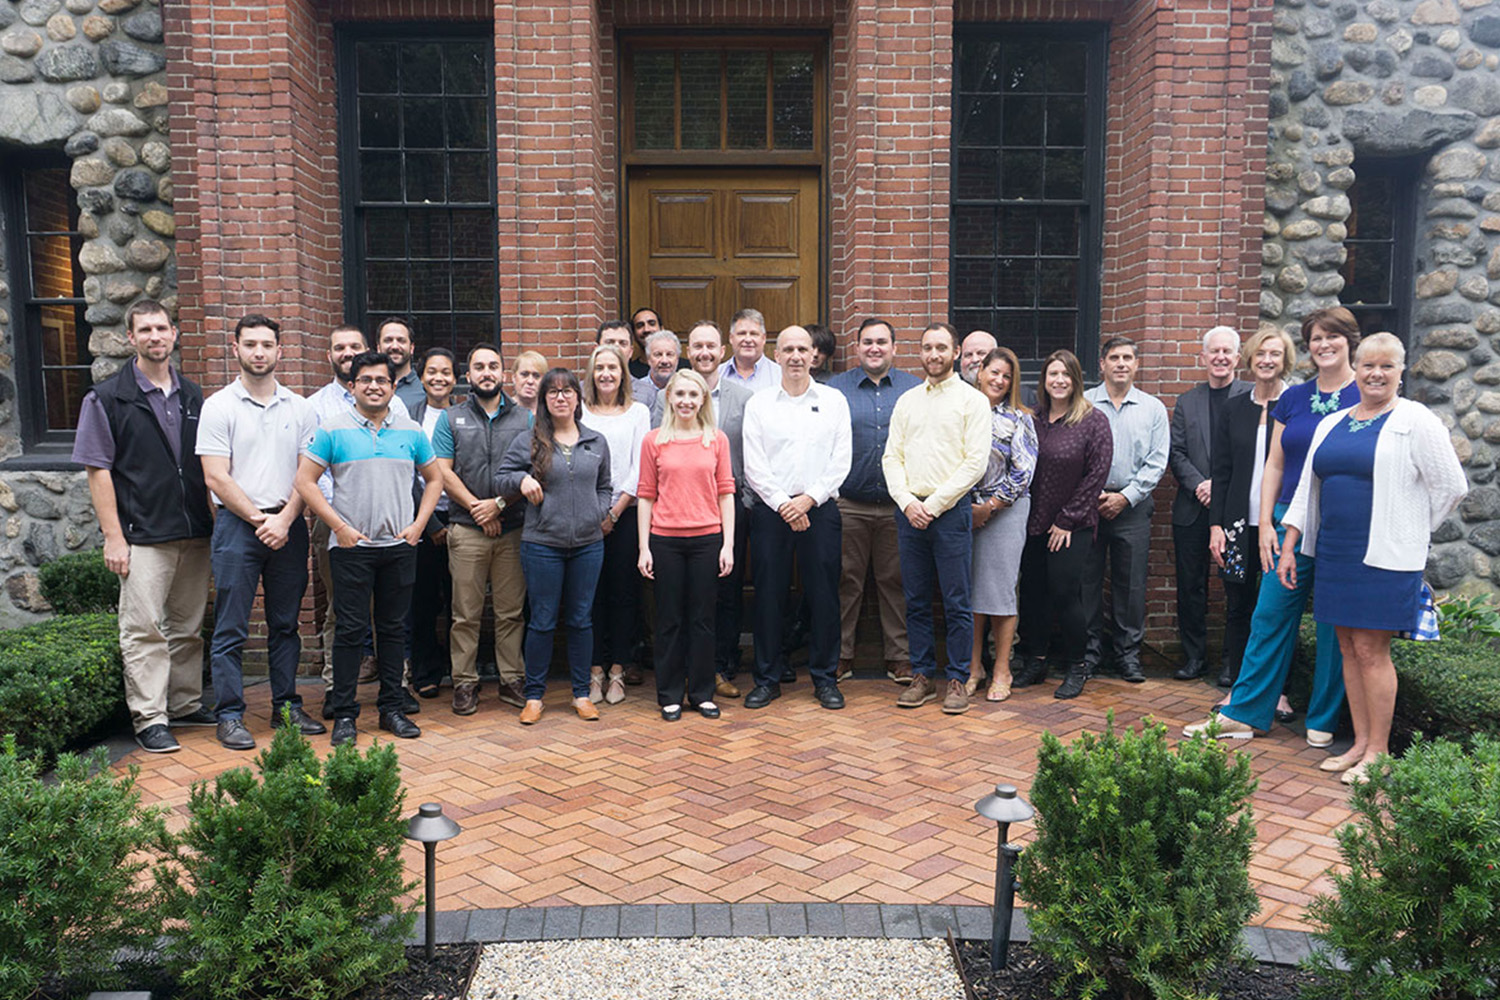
38,439
1095,36
1406,175
352,206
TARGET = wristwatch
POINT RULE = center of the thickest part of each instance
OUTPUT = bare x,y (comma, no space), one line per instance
500,504
613,517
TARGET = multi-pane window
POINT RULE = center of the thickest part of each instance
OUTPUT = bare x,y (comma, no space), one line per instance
1378,269
419,184
1027,136
52,335
746,96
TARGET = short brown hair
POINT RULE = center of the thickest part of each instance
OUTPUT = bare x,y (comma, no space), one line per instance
1335,320
146,307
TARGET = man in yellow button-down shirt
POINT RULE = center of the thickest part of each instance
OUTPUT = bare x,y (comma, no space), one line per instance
939,446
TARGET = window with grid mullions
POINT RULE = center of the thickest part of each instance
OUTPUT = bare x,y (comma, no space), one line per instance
1027,186
418,181
1379,265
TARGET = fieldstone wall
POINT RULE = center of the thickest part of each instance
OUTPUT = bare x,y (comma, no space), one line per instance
1400,78
86,77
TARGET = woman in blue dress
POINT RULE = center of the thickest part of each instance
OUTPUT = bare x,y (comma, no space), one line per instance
1331,335
1379,477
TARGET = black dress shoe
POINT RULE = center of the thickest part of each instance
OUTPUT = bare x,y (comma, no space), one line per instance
671,714
399,725
202,717
708,710
1132,672
1190,671
1031,671
344,731
1072,685
305,723
763,695
1226,678
830,697
1283,715
233,735
409,703
327,712
789,676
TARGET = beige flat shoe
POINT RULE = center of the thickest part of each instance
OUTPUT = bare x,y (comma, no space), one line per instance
616,692
999,691
1340,763
1357,775
972,684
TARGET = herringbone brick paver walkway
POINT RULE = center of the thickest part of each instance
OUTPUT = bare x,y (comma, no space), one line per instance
788,804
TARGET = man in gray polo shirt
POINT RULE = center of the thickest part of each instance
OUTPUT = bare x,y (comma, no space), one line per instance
373,452
249,436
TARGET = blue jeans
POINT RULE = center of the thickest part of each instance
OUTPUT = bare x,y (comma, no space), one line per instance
560,585
939,555
240,563
1268,654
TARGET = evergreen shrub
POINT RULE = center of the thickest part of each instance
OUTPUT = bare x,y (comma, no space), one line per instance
78,584
59,680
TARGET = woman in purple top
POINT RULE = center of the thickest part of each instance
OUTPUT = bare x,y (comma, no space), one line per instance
1331,336
1074,449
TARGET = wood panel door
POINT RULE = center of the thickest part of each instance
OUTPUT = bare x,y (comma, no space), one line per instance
707,243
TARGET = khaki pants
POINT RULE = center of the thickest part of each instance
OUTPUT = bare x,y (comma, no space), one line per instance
870,533
319,543
161,624
475,559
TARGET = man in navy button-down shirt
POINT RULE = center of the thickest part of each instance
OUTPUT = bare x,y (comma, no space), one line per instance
864,504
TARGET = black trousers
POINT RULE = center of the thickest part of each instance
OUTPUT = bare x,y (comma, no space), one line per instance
432,597
385,574
1239,606
1126,543
775,546
1190,549
1055,586
730,600
687,569
617,601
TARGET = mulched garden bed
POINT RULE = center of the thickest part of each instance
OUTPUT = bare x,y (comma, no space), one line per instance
1029,976
446,977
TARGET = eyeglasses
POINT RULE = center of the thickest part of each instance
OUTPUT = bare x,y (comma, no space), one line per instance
372,380
564,393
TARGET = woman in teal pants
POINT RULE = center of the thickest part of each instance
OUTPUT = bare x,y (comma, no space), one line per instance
1330,336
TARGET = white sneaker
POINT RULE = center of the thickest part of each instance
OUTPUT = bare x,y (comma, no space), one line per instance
1318,738
1221,727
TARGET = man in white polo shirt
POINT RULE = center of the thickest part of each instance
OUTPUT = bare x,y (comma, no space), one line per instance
249,436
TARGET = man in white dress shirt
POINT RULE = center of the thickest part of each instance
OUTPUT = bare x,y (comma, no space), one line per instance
797,452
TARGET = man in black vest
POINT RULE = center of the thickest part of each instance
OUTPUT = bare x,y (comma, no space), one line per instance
484,530
137,436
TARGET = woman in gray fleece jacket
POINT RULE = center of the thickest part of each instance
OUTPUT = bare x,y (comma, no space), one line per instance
562,469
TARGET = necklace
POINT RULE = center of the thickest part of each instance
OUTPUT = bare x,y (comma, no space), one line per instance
1355,426
1322,405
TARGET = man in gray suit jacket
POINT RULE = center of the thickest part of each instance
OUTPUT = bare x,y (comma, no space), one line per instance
705,347
1193,420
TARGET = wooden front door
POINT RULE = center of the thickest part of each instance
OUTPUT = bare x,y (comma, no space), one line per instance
706,243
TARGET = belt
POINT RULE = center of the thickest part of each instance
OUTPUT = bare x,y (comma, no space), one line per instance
273,510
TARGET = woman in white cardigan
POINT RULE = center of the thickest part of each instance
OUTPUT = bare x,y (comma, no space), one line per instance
1378,478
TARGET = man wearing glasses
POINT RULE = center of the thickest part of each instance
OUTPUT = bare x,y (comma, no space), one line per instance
372,453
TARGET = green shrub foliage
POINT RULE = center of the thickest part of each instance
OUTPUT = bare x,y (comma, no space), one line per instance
59,680
287,886
1417,914
78,584
71,892
1138,878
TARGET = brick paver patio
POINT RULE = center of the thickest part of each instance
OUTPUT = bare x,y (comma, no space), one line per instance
788,804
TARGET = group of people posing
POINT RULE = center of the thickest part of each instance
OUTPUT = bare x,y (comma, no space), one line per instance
557,499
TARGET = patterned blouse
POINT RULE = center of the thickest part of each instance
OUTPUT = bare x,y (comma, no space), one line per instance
1013,450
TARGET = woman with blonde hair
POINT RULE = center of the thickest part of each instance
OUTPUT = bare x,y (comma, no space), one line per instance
1074,449
1001,502
609,409
686,535
1379,478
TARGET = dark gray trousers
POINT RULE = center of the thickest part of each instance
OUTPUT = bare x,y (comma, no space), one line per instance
1126,543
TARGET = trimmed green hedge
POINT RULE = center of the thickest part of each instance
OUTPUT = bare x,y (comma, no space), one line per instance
78,584
59,680
1448,688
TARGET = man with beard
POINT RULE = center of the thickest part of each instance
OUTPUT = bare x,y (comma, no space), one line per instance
345,343
484,530
249,436
393,338
976,347
939,446
137,437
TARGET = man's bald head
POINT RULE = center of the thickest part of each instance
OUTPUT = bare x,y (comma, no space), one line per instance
976,346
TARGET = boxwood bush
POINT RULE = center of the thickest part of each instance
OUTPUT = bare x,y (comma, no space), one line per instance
59,681
78,584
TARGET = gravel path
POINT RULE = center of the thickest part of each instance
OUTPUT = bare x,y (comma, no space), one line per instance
717,969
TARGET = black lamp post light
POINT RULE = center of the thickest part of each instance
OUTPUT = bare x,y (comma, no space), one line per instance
1004,807
428,827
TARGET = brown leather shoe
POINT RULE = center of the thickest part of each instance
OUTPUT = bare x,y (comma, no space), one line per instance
920,691
513,693
726,688
586,710
956,702
465,699
531,713
898,671
634,675
369,670
846,670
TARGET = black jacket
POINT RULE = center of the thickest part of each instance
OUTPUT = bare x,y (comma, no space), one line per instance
479,444
1234,459
159,498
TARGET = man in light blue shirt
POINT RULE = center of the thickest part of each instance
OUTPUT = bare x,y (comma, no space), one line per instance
749,365
1142,439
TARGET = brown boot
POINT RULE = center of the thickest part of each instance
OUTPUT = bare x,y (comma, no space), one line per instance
465,699
513,693
898,671
369,670
726,688
846,670
956,702
920,691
